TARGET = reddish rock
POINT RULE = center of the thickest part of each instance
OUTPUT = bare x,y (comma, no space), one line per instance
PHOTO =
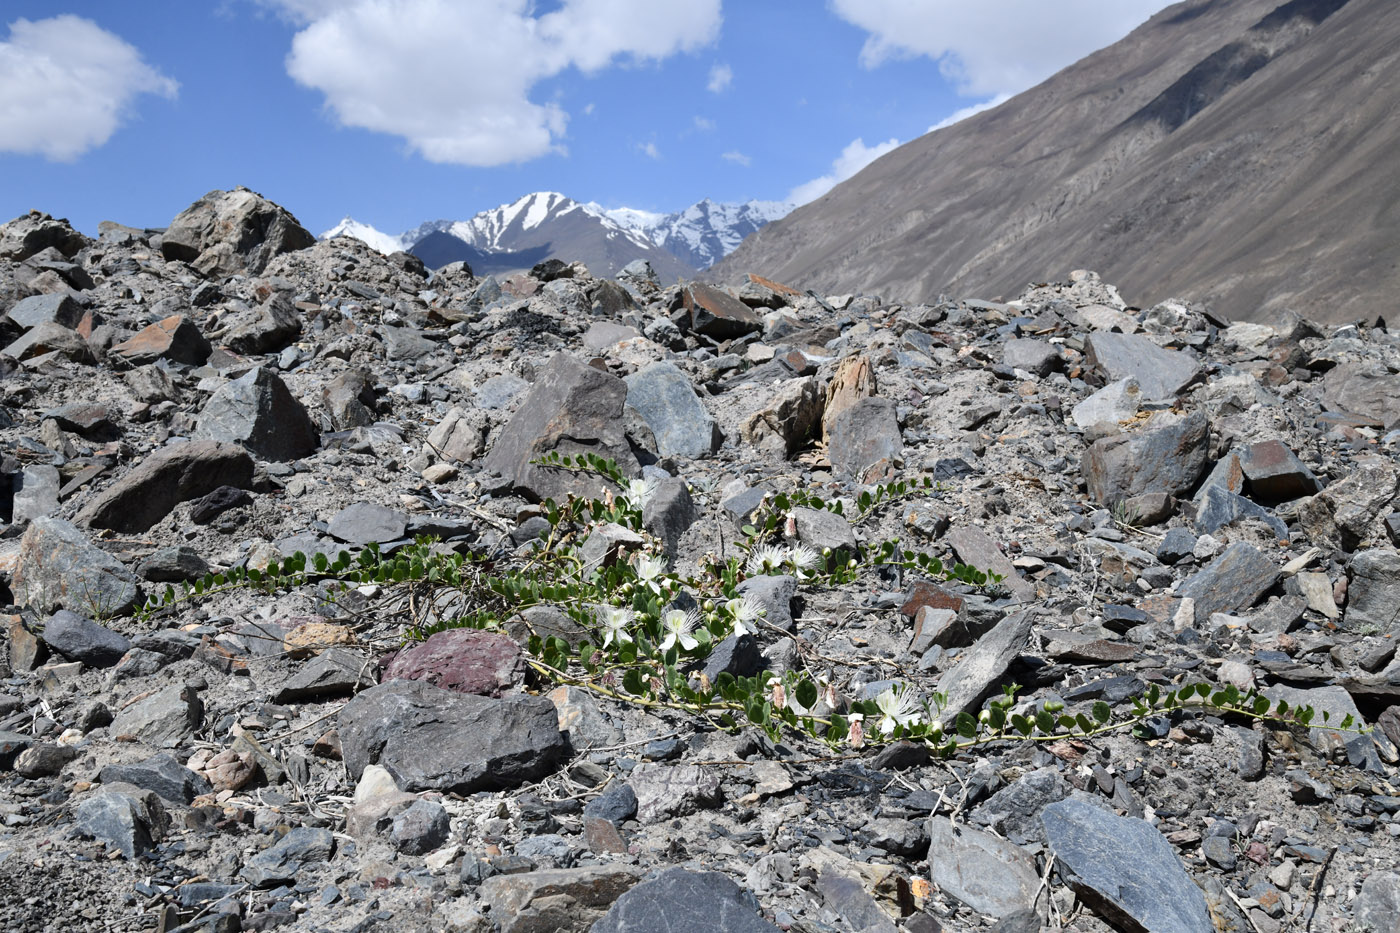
463,660
718,314
1276,474
923,593
174,338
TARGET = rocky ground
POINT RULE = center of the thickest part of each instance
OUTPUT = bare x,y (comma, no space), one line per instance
1168,498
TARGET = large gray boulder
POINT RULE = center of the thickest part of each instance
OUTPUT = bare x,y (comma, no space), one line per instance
227,232
163,480
59,568
1168,456
663,396
429,738
1161,374
573,409
260,413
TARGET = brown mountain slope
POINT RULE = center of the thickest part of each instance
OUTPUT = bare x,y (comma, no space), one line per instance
1240,152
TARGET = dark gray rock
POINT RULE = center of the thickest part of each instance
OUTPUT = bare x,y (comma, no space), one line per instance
863,441
165,718
226,232
1177,543
406,343
986,873
1216,507
976,548
981,668
666,790
1373,596
662,394
617,804
1124,870
281,862
1014,811
335,672
433,739
80,639
846,897
563,899
173,565
774,594
367,523
1377,906
1034,356
58,567
1364,388
44,759
209,507
421,828
1346,512
1167,455
740,508
1161,374
265,329
718,314
350,398
669,512
1235,579
160,774
1275,474
34,232
690,902
1250,763
57,308
737,655
258,412
129,821
11,745
171,475
572,409
500,391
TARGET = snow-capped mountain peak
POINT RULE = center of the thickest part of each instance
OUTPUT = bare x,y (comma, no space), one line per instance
384,242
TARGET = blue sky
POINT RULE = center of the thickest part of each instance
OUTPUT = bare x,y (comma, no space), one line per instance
400,111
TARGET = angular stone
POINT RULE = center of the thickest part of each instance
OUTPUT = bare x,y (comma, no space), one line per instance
820,529
1377,906
976,549
350,398
27,650
1161,374
367,523
165,718
1236,579
44,760
1373,598
36,490
853,381
34,232
462,660
12,744
433,739
988,874
406,343
171,475
130,822
265,329
80,639
665,791
774,594
669,512
1124,870
420,829
209,507
1346,512
617,804
1113,404
982,666
940,627
662,394
175,338
846,897
603,334
162,775
690,902
564,899
864,440
1014,811
226,232
1275,473
281,862
571,409
258,412
1166,455
59,568
173,565
57,308
1364,388
50,338
500,391
1036,357
460,436
334,672
1217,507
789,419
718,314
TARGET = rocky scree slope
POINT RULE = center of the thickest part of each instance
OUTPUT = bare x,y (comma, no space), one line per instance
1169,498
1234,152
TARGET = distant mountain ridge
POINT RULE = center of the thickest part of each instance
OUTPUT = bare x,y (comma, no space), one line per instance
547,224
1236,152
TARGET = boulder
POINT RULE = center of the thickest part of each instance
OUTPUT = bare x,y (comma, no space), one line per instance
1364,388
174,338
80,639
1168,455
1236,579
59,568
663,396
863,441
718,314
1161,374
462,660
227,232
171,475
985,872
690,902
258,412
32,233
788,419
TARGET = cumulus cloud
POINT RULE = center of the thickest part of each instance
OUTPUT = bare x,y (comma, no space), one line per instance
957,116
721,76
993,46
737,157
68,85
856,156
454,79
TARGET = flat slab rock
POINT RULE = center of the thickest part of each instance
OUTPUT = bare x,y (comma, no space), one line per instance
689,902
985,872
1124,869
433,739
462,660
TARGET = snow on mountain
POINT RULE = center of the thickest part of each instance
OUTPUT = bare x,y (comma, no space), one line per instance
384,242
549,223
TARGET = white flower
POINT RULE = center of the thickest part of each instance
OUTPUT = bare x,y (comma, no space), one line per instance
649,570
803,558
744,612
615,622
639,491
765,559
678,624
898,707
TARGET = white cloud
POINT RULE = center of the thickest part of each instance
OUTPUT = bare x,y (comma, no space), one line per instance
957,116
68,84
737,157
649,150
721,76
856,156
454,79
992,46
703,124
